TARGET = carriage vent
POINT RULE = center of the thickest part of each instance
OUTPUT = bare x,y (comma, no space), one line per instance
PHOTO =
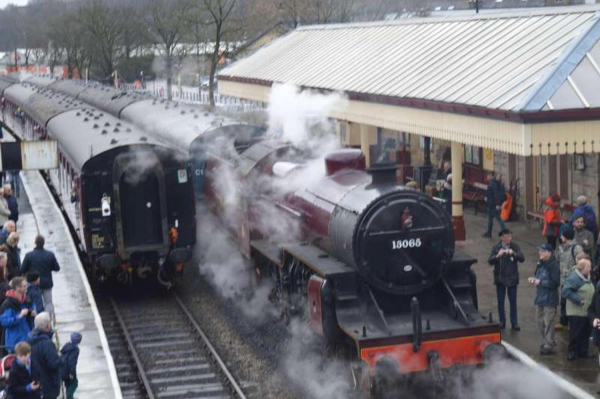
113,141
104,131
95,125
143,138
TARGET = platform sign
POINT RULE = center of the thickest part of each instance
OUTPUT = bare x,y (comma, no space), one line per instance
29,155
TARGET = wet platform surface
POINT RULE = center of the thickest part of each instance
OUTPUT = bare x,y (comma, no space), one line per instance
585,373
73,307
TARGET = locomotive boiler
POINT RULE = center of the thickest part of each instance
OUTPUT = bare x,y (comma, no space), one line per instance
374,267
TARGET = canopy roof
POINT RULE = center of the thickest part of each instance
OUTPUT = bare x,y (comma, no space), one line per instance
515,62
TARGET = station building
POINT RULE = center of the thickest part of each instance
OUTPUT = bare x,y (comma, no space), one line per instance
516,92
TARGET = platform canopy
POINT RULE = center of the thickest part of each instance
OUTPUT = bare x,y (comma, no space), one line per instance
525,82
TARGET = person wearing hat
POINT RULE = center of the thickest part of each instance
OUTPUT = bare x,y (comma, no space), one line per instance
567,256
68,368
546,282
505,257
552,219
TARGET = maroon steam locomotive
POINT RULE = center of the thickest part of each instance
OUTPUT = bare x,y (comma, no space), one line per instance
373,265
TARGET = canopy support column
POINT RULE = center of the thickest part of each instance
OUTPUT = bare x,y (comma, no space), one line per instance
458,221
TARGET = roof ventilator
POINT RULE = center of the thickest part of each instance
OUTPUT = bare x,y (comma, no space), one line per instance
113,141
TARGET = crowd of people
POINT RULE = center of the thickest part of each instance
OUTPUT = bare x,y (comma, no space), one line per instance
566,282
26,315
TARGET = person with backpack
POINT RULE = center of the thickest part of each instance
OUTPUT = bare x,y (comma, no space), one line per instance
567,256
585,210
495,197
552,219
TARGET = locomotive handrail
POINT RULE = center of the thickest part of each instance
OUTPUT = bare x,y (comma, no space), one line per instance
417,324
379,311
426,230
455,302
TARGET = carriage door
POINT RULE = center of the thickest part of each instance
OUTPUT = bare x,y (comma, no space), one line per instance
140,210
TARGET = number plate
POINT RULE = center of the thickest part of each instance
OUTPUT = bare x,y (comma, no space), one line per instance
405,244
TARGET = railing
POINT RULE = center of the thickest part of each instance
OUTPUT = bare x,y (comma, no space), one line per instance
195,95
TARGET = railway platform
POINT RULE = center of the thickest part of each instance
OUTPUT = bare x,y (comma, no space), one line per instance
74,305
584,373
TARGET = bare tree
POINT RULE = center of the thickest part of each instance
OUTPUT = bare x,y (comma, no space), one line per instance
219,12
103,23
168,23
68,35
134,31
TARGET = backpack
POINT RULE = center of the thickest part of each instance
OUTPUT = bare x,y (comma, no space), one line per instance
506,207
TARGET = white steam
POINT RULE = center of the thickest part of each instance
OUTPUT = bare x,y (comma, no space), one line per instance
320,377
228,271
141,163
301,117
506,379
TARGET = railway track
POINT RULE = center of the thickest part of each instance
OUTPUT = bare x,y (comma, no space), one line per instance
160,351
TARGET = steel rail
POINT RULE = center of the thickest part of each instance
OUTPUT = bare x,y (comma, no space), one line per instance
134,353
232,382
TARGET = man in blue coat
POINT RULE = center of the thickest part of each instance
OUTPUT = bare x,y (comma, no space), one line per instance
589,216
546,281
44,263
44,357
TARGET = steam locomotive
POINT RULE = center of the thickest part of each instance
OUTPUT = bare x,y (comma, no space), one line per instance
375,268
128,195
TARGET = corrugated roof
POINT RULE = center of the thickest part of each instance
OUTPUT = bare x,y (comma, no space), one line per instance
511,62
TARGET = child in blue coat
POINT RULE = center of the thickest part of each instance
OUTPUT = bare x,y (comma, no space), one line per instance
22,382
68,368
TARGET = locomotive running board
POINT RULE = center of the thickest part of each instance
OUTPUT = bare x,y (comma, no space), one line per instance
269,250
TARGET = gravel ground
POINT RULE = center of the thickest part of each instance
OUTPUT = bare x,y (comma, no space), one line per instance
253,350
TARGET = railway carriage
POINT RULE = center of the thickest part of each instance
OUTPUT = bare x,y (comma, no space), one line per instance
128,195
189,128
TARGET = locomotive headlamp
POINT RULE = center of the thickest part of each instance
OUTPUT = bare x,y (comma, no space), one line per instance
105,205
407,219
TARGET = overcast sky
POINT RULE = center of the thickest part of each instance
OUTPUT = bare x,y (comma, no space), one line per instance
4,3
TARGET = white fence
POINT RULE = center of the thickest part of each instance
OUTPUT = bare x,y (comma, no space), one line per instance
195,95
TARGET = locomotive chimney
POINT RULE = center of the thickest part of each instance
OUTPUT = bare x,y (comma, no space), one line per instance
383,173
347,158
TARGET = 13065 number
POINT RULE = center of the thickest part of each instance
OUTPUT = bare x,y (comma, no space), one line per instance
402,244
